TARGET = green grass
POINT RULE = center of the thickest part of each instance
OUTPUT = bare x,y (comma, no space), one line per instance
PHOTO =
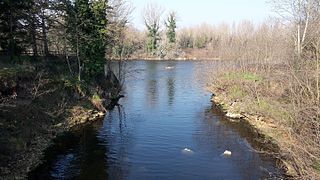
316,166
247,76
236,92
273,109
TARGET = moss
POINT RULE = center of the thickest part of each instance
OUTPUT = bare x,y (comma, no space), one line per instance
96,97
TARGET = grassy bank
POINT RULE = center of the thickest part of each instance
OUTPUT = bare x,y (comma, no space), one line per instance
282,104
38,101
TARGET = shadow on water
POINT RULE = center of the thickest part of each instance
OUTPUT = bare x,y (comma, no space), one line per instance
83,153
74,154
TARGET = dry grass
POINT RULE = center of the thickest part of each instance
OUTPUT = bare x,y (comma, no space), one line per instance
282,102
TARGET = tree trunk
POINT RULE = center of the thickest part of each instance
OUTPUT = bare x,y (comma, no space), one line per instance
44,35
11,40
66,52
78,53
34,37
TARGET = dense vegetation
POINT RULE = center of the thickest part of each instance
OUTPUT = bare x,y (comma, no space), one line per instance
87,30
54,59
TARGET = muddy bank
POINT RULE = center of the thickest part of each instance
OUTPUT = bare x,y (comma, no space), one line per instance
38,102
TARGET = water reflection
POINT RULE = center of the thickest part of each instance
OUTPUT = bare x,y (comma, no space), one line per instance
75,155
170,90
151,89
217,134
117,136
171,71
165,111
92,156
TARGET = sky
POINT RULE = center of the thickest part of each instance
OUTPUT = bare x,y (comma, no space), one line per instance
195,12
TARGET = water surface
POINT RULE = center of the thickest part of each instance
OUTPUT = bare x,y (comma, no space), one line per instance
166,109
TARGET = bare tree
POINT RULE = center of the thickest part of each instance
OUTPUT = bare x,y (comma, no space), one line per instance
297,14
152,16
118,22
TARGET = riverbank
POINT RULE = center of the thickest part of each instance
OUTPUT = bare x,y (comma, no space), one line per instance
171,59
39,101
263,97
175,59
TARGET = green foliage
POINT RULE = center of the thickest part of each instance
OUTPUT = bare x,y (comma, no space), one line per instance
96,97
201,41
14,26
69,81
86,24
171,27
153,37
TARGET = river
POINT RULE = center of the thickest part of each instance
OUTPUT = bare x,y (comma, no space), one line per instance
165,128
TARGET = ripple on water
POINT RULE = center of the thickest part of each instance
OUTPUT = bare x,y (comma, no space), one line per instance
165,129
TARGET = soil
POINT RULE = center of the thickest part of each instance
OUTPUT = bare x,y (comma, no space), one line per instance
34,110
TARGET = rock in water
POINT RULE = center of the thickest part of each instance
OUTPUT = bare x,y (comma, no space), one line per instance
169,67
187,151
227,153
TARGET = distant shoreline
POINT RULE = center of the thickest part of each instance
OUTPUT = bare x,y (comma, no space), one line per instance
171,59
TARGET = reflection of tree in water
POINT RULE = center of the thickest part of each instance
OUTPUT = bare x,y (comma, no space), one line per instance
171,90
94,151
214,132
75,155
92,155
171,76
117,136
152,83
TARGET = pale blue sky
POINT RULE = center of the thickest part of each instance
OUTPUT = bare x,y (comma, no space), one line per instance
193,12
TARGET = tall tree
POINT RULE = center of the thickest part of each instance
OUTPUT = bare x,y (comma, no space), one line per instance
86,24
33,25
44,5
152,15
13,26
171,25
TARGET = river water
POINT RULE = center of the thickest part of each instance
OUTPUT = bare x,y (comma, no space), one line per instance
166,109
